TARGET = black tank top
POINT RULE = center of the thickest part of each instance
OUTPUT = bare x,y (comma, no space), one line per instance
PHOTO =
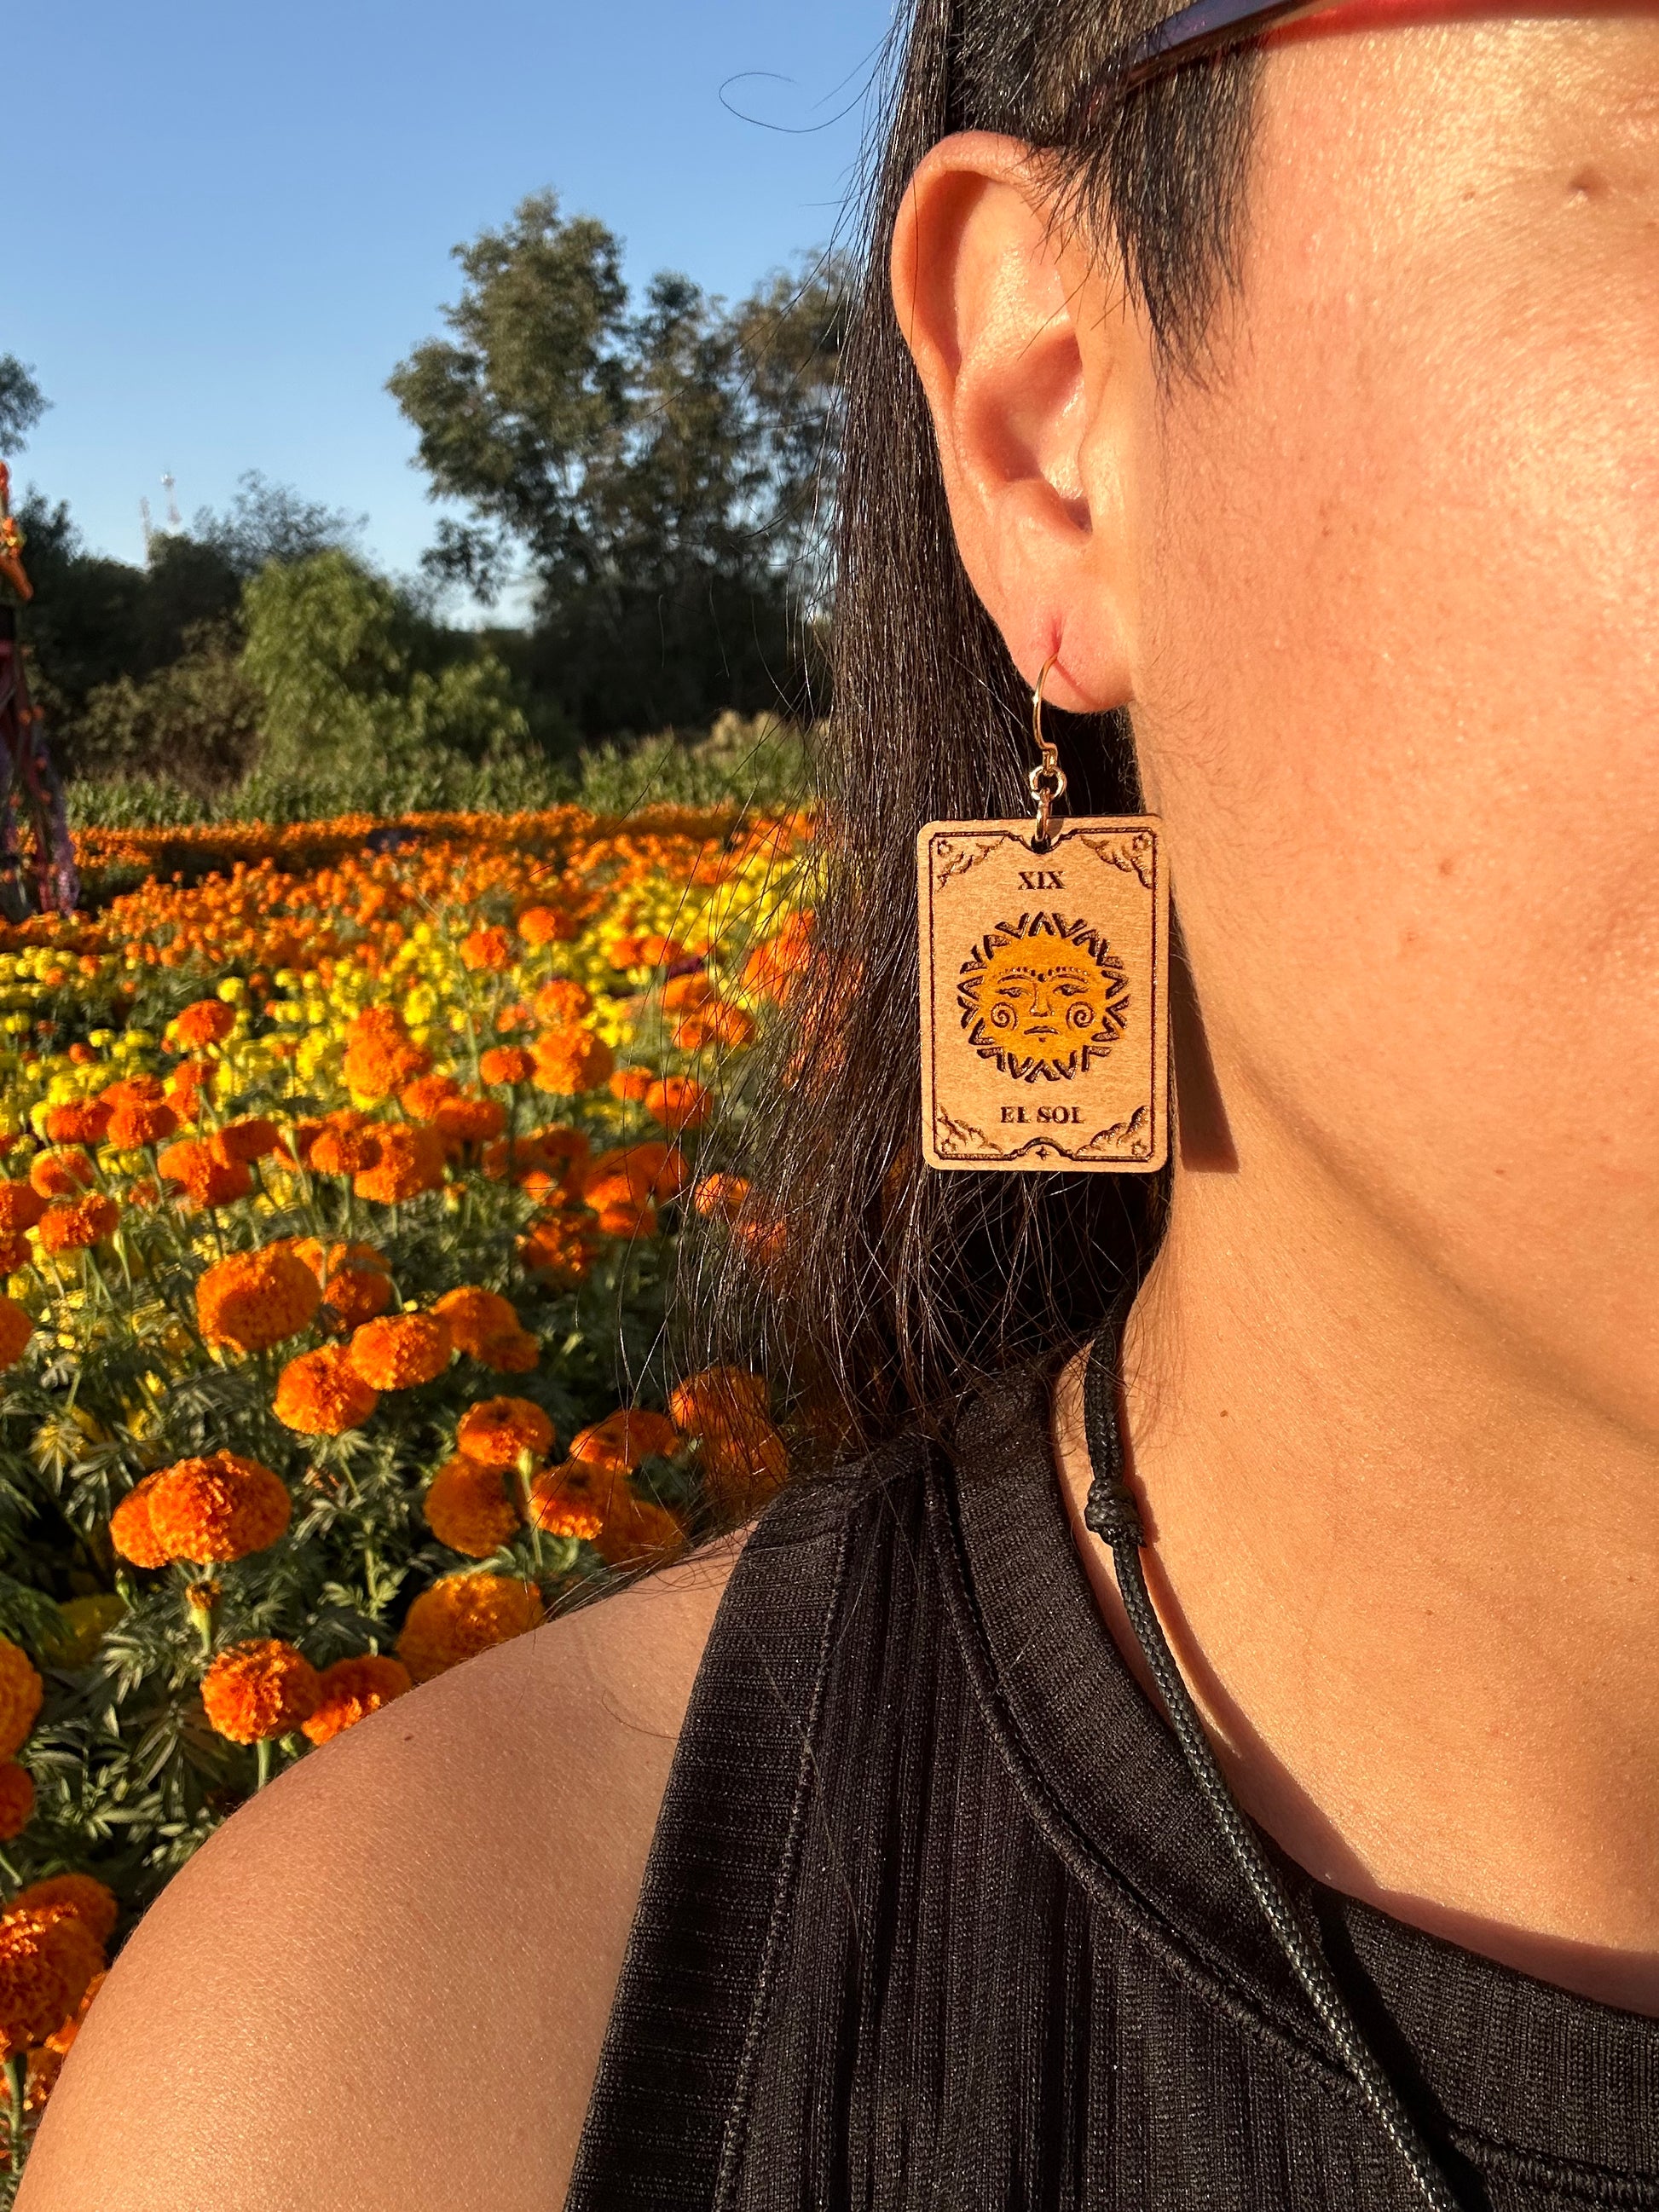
934,1918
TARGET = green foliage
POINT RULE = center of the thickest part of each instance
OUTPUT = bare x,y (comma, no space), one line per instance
194,722
22,403
655,467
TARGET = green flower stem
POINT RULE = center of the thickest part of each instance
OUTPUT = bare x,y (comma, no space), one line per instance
263,1751
17,2074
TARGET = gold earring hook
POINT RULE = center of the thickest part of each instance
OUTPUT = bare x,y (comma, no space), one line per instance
1047,782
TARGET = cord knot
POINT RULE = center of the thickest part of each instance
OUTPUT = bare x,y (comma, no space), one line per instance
1110,1510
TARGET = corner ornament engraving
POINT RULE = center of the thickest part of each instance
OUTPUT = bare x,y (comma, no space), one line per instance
1133,1137
954,856
958,1140
1135,854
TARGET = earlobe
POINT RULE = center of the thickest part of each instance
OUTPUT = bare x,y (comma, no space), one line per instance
1018,357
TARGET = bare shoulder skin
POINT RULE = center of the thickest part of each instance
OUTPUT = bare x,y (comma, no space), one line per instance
383,1985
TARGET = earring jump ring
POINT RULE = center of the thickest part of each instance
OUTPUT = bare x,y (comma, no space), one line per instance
1047,782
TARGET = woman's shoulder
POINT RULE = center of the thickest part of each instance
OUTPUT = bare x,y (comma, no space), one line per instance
388,1977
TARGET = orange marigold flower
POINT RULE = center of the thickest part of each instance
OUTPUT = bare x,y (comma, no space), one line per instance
489,948
46,1965
685,993
631,1085
249,1139
352,1689
321,1394
474,1316
467,1507
625,1437
220,1507
470,1121
637,1530
560,1247
20,1691
209,1021
410,1159
259,1688
134,1091
344,1151
56,2046
632,1222
423,1098
20,1206
16,1327
515,1353
570,1061
15,1253
720,1197
254,1299
772,967
546,925
82,1897
634,1175
401,1351
559,1004
60,1174
570,1500
716,1023
16,1799
496,1431
81,1121
355,1294
208,1174
129,1527
79,1223
658,953
506,1063
380,1055
679,1102
743,1457
296,1145
143,1121
463,1615
718,1397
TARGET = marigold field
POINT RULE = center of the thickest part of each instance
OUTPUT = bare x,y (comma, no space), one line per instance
340,1169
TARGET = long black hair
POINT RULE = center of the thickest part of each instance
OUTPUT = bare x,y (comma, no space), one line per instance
891,1285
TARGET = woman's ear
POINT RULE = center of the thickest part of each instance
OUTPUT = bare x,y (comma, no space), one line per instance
1039,377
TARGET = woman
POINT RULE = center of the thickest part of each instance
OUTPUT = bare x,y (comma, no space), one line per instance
1300,404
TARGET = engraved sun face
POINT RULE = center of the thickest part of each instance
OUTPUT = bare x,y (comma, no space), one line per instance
1041,996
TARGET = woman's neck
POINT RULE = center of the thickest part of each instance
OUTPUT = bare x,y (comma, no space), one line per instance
1410,1584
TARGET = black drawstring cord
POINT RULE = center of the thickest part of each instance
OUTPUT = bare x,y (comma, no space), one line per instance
1113,1515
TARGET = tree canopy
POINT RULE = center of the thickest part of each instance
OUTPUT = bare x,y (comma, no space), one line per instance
656,464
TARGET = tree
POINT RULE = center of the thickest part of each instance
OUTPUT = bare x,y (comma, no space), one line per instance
270,522
21,404
654,466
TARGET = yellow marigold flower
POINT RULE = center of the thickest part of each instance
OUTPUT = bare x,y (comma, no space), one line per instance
221,1507
351,1690
679,1102
476,1316
81,1121
79,1223
467,1507
20,1206
16,1327
45,1965
16,1799
506,1063
209,1021
409,1160
489,948
463,1615
252,1137
547,925
259,1688
570,1500
141,1122
320,1393
254,1299
87,1620
625,1437
129,1527
60,1174
496,1431
82,1896
401,1351
559,1004
570,1061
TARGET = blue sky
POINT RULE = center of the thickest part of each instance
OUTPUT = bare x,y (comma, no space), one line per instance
228,220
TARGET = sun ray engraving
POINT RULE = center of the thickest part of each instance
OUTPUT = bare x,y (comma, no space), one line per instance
1042,997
